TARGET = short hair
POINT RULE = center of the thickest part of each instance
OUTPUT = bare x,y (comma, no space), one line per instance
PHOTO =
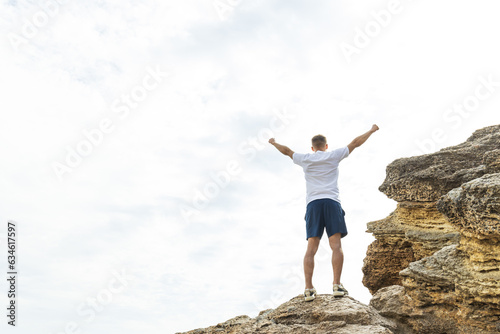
318,141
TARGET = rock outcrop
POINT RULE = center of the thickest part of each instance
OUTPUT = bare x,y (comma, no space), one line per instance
413,231
445,238
417,228
325,314
427,177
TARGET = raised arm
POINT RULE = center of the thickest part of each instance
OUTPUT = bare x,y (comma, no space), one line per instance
283,149
360,140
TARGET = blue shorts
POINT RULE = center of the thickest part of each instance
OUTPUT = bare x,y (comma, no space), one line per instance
325,213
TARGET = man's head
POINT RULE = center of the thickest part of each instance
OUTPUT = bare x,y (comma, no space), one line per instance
319,143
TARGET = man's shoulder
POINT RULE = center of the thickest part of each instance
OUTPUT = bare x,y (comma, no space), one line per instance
339,153
297,157
340,149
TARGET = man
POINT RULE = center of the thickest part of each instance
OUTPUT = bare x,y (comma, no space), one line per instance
323,204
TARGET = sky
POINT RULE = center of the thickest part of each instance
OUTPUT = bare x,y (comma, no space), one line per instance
135,161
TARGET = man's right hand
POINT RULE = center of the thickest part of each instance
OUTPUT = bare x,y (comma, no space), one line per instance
272,141
360,140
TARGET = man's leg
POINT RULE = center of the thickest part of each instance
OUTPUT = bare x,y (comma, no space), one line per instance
312,248
337,257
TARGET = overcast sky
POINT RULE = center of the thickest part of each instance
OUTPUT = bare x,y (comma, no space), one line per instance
134,155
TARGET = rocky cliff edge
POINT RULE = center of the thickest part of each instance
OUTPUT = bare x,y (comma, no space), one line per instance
441,246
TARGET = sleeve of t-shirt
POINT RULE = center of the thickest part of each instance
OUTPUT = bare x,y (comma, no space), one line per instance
340,153
298,158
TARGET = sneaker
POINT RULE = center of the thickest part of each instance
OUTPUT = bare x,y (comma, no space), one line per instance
339,290
309,294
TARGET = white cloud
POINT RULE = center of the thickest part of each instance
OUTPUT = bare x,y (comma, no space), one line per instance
120,207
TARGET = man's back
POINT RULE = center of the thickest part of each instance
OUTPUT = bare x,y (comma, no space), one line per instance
321,172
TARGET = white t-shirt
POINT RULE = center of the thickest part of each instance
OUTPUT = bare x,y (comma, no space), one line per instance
321,170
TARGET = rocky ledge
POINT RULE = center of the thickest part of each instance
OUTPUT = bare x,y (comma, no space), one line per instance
325,314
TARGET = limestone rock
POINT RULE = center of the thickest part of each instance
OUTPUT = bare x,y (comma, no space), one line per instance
448,218
426,178
475,207
326,314
389,301
492,161
417,228
413,231
444,285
